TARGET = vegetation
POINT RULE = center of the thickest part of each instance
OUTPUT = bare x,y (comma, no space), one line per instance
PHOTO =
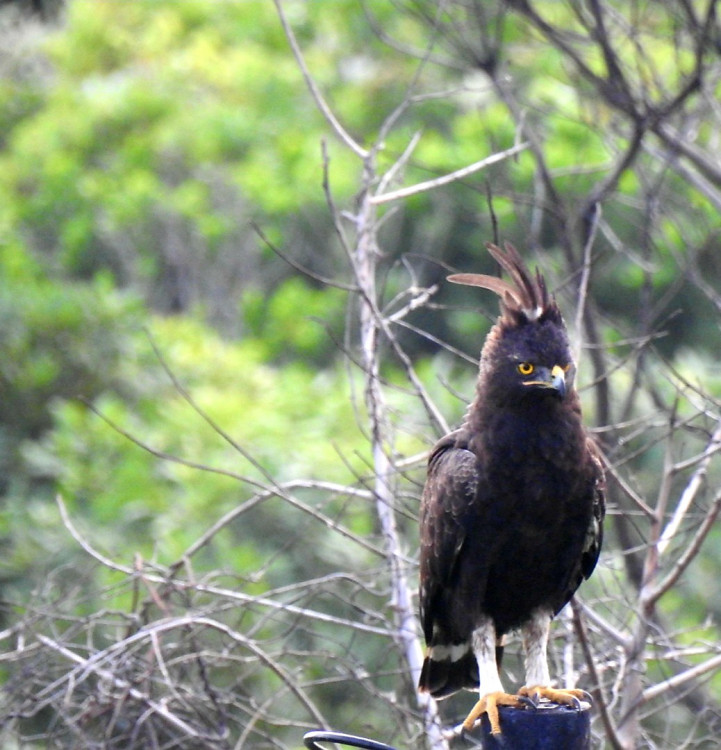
227,345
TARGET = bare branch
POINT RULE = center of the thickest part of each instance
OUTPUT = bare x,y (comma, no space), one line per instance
107,562
320,102
597,692
691,490
689,554
459,174
683,678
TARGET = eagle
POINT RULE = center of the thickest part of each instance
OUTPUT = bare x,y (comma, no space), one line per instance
512,509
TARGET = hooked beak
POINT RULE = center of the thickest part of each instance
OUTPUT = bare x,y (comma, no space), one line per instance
554,379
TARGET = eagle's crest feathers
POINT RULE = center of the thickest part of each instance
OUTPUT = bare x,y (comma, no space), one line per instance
524,299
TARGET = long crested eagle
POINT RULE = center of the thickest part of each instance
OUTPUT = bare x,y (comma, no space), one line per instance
513,505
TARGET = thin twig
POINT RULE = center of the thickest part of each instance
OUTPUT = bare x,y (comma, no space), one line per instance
320,101
689,554
298,266
691,490
459,174
230,594
86,667
596,689
581,302
672,683
106,561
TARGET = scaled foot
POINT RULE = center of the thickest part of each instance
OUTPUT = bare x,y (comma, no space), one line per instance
488,704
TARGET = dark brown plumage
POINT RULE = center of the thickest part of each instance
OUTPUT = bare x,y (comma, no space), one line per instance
512,510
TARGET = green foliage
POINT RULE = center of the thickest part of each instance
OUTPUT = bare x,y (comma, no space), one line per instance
133,160
200,113
180,109
295,321
292,423
58,340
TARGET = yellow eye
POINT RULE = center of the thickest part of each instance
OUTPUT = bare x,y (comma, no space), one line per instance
525,368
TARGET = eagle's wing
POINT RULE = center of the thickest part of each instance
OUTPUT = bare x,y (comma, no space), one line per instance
451,590
594,532
449,492
594,536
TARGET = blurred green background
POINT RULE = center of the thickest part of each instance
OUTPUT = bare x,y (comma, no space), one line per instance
143,145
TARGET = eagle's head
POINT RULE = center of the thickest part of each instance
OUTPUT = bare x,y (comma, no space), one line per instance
526,356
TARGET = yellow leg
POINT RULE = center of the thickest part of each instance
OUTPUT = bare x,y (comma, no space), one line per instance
488,704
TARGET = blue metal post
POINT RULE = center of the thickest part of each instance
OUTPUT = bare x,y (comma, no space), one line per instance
549,727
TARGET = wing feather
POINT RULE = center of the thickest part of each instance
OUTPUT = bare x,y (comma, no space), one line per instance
593,541
448,496
594,536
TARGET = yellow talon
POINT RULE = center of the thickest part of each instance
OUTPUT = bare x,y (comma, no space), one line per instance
488,705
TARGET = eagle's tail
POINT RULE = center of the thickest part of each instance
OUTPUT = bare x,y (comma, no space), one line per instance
448,669
443,677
